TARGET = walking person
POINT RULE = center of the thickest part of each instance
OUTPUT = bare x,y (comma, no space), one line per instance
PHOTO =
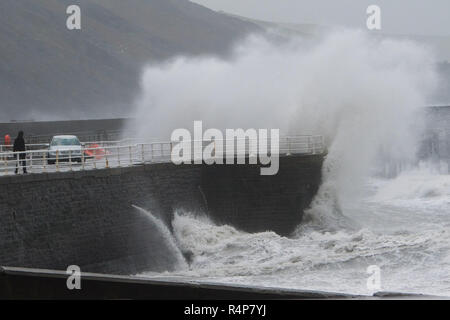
19,146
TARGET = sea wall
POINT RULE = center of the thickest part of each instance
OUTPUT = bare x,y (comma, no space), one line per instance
436,143
86,218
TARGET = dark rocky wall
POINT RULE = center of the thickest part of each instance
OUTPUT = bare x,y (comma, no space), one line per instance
86,218
240,196
438,133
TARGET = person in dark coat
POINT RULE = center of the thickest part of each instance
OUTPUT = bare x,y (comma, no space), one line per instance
19,145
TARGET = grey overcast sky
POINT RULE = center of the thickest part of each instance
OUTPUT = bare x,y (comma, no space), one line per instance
420,17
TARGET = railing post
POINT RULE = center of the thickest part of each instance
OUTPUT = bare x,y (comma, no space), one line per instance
94,154
314,146
82,158
70,160
143,154
31,162
131,159
57,160
118,156
45,162
151,152
309,143
288,152
106,160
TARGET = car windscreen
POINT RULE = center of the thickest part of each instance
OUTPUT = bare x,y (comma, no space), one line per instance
65,142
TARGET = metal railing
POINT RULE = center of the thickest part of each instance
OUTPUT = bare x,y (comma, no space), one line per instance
123,154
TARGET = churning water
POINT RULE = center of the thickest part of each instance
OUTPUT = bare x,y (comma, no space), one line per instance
401,225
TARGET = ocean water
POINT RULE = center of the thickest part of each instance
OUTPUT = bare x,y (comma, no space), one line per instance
402,225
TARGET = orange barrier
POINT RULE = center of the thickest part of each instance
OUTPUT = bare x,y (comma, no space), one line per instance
94,150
